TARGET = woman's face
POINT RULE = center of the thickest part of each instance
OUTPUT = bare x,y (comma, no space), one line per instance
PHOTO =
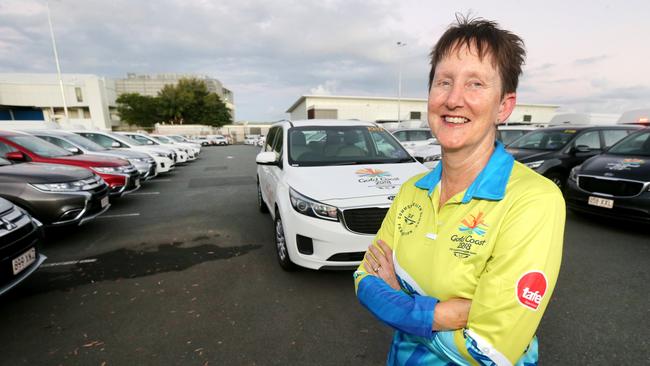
465,101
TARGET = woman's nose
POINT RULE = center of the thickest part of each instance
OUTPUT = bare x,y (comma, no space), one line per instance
455,97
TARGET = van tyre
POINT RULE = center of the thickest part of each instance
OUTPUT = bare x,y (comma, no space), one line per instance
260,201
281,245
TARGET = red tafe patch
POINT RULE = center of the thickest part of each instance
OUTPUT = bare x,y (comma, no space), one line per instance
531,288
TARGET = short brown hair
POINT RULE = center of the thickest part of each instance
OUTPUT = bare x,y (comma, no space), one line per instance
506,49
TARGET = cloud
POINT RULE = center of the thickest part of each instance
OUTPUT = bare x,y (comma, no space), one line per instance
328,88
590,60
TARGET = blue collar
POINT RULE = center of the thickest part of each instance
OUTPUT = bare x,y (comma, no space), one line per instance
490,184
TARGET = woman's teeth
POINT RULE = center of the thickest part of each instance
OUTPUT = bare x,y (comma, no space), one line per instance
457,120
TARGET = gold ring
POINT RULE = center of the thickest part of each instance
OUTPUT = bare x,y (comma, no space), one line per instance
377,269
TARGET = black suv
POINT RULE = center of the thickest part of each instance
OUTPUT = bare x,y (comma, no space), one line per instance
20,238
554,151
615,184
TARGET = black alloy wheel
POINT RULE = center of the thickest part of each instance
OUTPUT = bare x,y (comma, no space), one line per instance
558,178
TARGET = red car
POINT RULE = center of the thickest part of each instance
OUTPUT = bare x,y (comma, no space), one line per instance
119,174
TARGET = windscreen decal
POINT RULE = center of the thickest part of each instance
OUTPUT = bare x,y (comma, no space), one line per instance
378,178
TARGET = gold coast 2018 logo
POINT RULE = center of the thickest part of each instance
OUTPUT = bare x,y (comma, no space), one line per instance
409,218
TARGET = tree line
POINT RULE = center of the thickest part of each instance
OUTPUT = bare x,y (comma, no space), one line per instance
188,102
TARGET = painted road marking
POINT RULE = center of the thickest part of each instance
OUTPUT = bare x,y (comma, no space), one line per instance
228,157
122,215
69,263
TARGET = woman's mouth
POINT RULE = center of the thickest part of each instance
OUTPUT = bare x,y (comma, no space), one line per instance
457,120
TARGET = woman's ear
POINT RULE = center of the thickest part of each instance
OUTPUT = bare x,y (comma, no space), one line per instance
508,103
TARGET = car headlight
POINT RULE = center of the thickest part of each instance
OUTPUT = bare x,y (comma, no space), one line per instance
159,154
61,187
534,164
138,160
430,158
113,169
309,207
573,175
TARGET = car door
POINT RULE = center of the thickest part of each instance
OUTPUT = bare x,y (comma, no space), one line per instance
275,171
263,170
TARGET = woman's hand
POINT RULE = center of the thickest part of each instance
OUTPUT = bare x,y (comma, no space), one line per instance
451,314
380,263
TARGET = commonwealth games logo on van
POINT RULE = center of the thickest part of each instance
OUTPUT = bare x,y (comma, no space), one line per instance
369,172
474,224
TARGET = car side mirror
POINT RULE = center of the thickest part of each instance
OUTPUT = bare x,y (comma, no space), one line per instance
116,144
74,150
267,158
149,142
432,141
581,149
16,156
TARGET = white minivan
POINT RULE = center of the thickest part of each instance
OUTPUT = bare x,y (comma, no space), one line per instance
328,185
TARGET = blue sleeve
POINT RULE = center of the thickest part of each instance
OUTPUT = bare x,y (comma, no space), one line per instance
409,314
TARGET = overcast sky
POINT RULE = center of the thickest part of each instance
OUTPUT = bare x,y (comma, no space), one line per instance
586,56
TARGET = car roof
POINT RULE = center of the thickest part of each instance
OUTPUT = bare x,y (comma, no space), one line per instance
411,129
329,122
51,132
12,133
517,127
589,127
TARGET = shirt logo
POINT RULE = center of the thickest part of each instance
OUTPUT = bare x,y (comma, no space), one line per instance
474,224
409,218
531,288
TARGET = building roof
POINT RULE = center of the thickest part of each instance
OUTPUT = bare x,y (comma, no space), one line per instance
424,100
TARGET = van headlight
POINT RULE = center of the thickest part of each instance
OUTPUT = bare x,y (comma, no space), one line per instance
534,164
61,187
310,207
573,175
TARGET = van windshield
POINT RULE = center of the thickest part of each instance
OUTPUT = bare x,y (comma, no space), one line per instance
544,140
637,144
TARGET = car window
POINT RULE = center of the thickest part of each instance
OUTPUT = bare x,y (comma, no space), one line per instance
401,136
419,135
508,136
4,148
277,144
101,140
58,142
141,139
613,136
84,143
268,145
638,144
38,146
544,139
590,139
343,145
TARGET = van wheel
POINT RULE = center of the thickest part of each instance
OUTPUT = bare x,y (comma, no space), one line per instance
281,245
558,178
260,202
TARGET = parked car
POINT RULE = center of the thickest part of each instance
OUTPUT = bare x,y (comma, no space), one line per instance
21,238
54,194
182,153
218,140
509,133
261,141
616,183
121,177
554,151
429,155
165,158
328,185
412,138
76,144
251,139
193,148
202,140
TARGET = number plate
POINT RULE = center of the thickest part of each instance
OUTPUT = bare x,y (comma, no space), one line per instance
104,202
24,260
601,202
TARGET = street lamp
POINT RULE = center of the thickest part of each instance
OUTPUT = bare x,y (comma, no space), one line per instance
56,59
399,83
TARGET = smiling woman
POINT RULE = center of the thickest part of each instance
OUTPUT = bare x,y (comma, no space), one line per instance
467,256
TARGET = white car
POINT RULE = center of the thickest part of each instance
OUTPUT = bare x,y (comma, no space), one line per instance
193,148
251,139
218,140
328,185
429,154
165,158
412,138
509,133
183,154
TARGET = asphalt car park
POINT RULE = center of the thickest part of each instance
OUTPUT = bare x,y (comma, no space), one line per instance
184,272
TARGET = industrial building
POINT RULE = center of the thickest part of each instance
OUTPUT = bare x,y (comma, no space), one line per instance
381,109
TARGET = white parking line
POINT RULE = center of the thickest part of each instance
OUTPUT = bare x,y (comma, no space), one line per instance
143,193
69,263
229,157
122,215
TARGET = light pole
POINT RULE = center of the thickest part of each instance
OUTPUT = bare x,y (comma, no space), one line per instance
399,83
56,59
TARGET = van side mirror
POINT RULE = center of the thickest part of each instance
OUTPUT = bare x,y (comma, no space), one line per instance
267,158
581,149
16,156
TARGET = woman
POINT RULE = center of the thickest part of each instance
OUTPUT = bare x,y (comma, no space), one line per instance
467,257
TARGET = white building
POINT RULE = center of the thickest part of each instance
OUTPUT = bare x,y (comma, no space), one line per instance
90,100
383,109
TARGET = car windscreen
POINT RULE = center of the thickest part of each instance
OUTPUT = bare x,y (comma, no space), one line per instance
39,146
163,139
125,139
343,145
544,139
84,143
508,136
636,144
176,138
4,162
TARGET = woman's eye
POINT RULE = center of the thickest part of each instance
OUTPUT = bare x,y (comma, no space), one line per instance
444,83
476,84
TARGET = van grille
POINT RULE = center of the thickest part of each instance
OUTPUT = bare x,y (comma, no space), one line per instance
619,188
364,220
